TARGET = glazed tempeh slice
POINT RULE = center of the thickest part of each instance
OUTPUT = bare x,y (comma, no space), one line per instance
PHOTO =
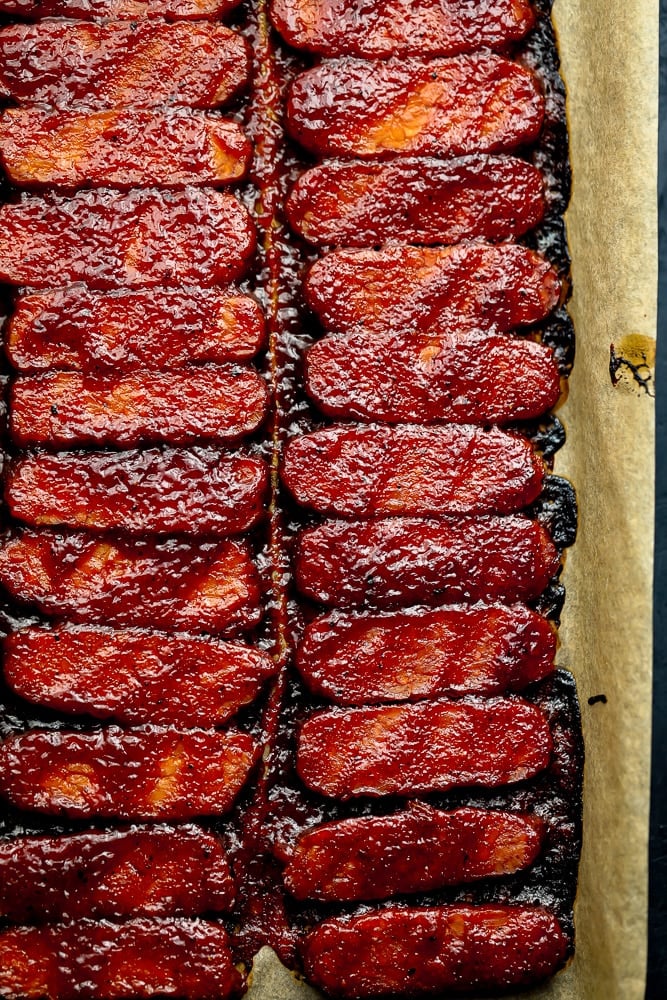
423,653
90,960
131,10
406,290
432,378
409,560
428,747
120,148
209,586
156,871
419,952
109,239
439,107
134,676
200,491
375,28
417,850
210,403
136,774
124,329
121,63
379,471
358,204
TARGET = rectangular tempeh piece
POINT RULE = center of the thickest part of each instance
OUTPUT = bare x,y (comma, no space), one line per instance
357,204
120,148
137,774
431,746
211,403
380,471
200,491
408,560
406,290
415,952
109,238
431,378
87,960
423,653
130,10
153,328
438,107
209,586
156,871
375,28
121,63
417,850
135,676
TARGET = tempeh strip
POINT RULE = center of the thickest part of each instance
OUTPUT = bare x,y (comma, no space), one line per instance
131,10
134,676
155,871
417,850
427,747
209,586
422,653
201,491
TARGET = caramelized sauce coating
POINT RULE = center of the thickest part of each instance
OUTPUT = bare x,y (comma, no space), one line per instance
418,850
201,491
209,586
156,871
133,676
423,653
131,10
427,747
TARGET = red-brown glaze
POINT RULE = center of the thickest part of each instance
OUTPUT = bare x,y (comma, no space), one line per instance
131,10
418,850
432,378
381,471
121,63
110,239
408,560
359,204
156,871
88,960
212,403
120,148
209,586
147,328
133,676
423,653
408,290
200,491
415,952
377,28
428,747
141,774
437,107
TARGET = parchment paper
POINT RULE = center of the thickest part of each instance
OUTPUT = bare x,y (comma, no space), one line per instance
609,51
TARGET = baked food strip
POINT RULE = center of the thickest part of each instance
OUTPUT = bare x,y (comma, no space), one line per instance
129,10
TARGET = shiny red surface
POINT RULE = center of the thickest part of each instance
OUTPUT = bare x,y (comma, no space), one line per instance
409,560
134,676
425,951
417,850
146,328
128,9
427,747
200,491
376,28
87,960
154,871
120,148
210,403
436,107
209,586
142,774
423,653
108,239
408,290
119,63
